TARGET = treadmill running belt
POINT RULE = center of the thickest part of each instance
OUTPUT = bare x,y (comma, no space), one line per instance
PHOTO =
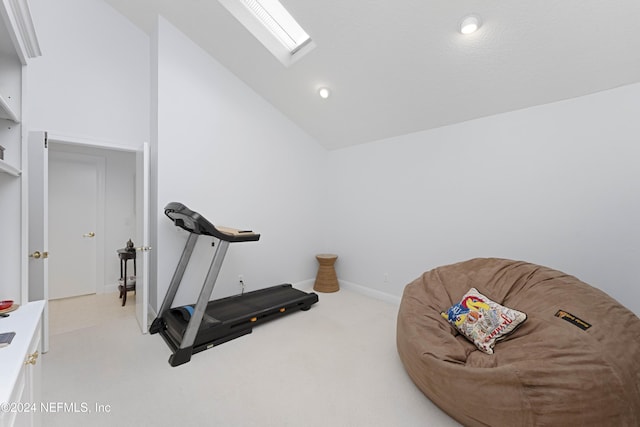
225,317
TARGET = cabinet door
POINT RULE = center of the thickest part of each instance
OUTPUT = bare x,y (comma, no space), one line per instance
31,379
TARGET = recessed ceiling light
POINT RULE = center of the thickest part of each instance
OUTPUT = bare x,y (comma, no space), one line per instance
324,92
470,24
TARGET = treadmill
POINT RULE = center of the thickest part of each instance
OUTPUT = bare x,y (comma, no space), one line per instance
193,328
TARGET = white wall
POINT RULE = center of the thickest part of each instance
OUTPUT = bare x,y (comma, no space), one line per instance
557,185
226,153
92,79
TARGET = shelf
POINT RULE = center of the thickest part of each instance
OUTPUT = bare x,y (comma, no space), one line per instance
7,168
6,112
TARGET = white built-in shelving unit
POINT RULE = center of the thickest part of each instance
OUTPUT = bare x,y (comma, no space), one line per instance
20,360
10,104
7,114
18,44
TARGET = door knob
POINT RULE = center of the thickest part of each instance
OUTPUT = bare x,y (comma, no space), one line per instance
144,248
32,359
38,255
91,234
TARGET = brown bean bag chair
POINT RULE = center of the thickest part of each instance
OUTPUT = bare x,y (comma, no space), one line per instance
548,372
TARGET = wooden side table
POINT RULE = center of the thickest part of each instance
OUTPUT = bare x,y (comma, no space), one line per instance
125,255
326,279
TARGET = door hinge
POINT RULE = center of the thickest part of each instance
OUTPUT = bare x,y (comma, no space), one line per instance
46,139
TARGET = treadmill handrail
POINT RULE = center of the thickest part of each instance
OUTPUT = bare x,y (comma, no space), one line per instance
195,223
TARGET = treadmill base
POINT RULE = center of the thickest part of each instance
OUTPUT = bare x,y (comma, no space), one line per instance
229,318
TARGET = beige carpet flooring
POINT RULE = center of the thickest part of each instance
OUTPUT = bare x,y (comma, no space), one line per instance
334,365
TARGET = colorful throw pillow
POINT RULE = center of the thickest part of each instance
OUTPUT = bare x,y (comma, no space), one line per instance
483,321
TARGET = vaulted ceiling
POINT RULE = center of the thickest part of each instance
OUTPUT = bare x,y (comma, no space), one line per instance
401,66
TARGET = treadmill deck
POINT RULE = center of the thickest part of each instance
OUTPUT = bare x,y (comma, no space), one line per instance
234,316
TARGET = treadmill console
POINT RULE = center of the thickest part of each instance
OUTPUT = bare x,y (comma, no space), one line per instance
195,223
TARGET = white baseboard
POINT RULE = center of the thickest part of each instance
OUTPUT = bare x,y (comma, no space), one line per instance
373,293
110,288
151,315
307,285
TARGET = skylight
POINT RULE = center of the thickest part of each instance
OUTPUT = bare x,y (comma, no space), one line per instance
273,26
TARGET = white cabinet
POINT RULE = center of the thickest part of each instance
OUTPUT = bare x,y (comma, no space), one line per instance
21,367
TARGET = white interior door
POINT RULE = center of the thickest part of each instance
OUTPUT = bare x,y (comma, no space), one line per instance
142,236
38,270
74,232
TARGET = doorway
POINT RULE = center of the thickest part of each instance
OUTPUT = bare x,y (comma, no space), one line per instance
126,203
91,215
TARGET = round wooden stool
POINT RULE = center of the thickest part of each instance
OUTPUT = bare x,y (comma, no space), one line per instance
326,280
